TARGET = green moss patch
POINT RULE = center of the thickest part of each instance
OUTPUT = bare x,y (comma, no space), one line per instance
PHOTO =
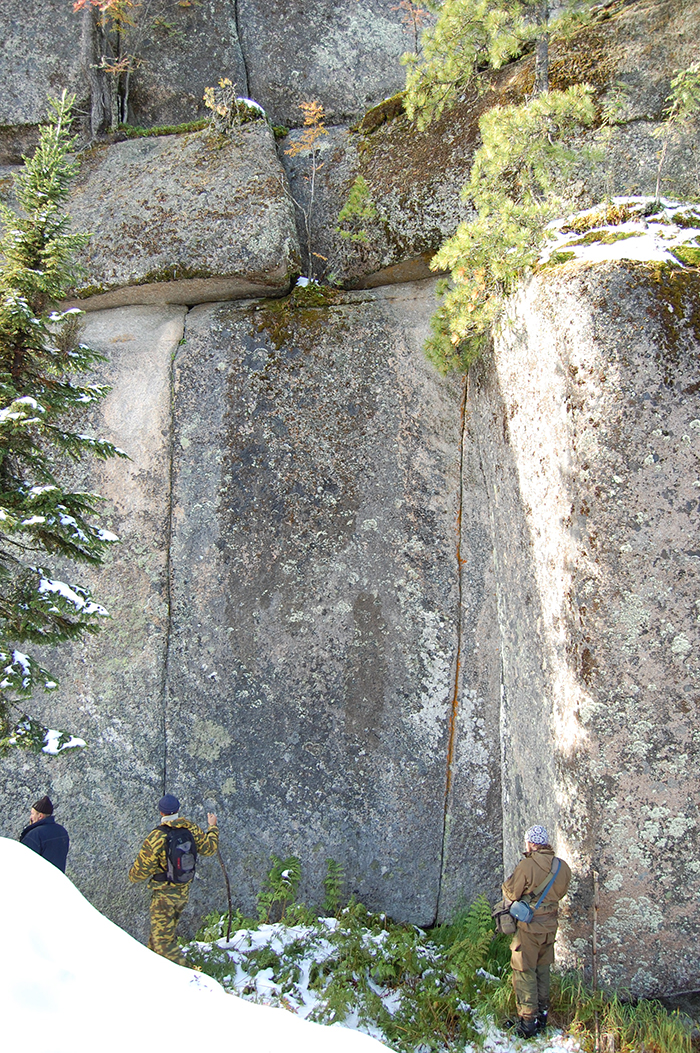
610,215
385,111
688,219
687,254
605,237
556,259
137,132
292,319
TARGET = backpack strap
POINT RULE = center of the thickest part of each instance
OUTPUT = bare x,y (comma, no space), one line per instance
162,876
549,882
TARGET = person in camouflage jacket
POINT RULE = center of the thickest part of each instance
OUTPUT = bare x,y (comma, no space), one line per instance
532,946
168,900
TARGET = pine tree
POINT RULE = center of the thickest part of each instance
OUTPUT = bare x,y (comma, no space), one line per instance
41,516
518,176
517,185
472,37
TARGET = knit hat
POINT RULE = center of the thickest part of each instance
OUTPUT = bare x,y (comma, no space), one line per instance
168,805
44,806
537,835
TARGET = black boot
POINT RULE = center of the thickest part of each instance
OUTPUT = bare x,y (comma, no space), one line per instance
542,1020
527,1027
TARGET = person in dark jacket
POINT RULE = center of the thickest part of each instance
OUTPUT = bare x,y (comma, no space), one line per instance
45,836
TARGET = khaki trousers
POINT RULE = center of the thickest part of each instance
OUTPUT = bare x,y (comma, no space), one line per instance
531,954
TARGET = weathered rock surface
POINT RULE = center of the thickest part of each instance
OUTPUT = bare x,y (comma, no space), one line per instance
184,219
346,56
40,54
112,685
181,50
589,426
415,178
291,657
315,607
309,643
640,46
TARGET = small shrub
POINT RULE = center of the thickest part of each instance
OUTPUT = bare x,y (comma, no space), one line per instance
358,208
228,110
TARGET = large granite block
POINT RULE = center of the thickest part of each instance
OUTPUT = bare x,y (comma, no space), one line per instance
589,425
316,608
184,219
111,690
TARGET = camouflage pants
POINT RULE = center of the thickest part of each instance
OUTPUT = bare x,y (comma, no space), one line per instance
167,904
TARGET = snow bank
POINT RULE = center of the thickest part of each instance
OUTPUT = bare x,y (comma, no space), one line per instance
73,982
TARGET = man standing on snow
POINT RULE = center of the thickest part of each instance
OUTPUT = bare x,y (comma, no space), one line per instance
532,946
168,859
45,836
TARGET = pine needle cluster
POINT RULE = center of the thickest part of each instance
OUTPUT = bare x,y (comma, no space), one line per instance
516,185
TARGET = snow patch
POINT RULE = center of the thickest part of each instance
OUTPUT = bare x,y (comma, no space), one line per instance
650,231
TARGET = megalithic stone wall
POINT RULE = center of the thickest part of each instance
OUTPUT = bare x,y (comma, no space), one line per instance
303,571
315,604
589,426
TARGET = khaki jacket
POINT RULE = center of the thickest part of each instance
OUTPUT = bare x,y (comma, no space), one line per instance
151,860
530,872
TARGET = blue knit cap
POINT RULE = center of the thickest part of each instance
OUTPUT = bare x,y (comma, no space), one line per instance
537,835
168,805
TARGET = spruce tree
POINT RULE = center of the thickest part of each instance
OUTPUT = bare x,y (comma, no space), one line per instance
42,517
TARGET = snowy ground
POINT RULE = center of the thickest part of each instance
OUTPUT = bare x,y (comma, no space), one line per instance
641,229
73,982
303,948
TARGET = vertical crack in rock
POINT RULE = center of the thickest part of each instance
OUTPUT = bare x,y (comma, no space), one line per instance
165,681
246,89
454,702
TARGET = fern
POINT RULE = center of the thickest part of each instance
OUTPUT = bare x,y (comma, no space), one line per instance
333,884
280,887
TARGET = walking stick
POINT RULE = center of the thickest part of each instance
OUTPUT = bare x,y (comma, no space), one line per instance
228,893
594,948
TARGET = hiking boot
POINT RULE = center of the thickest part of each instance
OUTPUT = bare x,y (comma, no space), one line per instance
541,1020
526,1027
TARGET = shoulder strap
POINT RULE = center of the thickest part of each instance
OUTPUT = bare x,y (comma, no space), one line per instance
550,882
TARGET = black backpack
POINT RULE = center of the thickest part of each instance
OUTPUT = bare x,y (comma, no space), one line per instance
180,854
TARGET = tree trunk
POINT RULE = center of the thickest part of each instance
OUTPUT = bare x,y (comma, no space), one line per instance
542,50
93,47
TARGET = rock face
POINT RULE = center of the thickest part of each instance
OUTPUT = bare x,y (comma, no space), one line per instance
363,611
315,613
40,48
114,683
299,673
589,426
181,49
185,219
344,55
